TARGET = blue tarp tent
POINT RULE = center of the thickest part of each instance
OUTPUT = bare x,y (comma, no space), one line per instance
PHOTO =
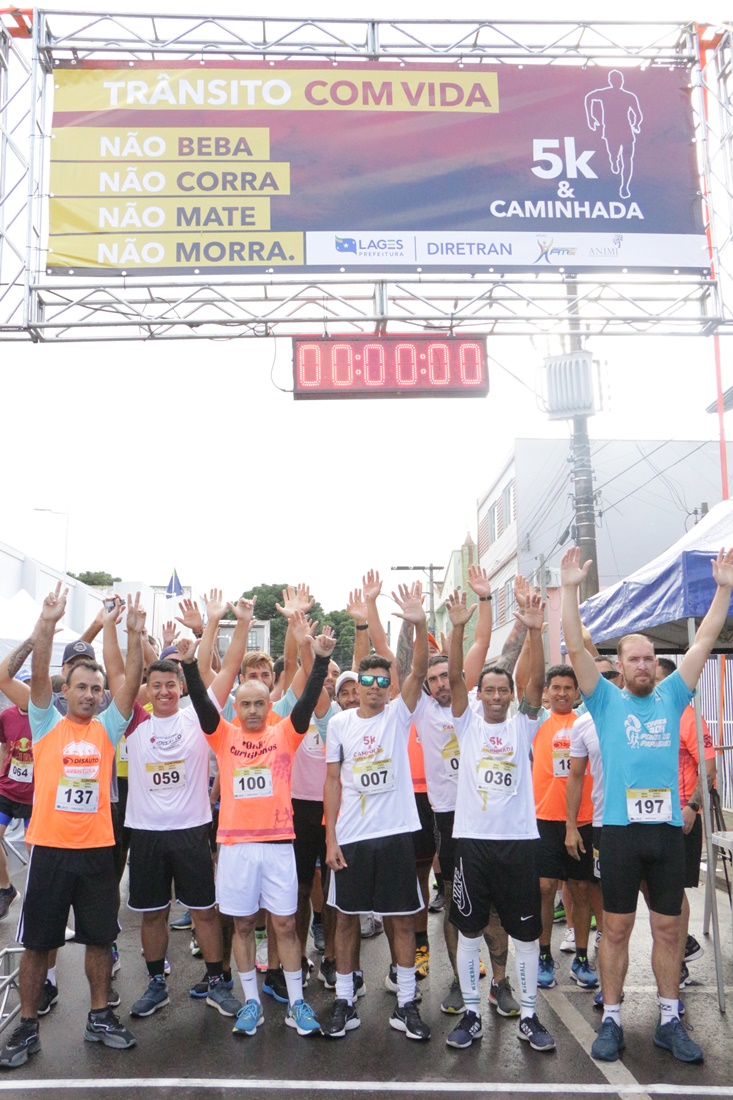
658,599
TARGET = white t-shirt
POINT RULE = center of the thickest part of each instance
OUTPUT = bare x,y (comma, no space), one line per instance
441,753
309,764
168,773
495,793
377,798
584,742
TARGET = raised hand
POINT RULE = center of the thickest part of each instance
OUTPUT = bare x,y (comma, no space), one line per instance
190,616
187,649
243,608
521,591
458,612
572,573
135,616
478,580
409,600
325,643
357,607
170,634
371,585
533,615
54,605
114,615
295,599
723,569
300,625
215,604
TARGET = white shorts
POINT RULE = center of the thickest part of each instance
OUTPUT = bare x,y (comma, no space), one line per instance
256,876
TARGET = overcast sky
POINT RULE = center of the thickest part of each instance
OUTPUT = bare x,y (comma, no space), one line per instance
187,454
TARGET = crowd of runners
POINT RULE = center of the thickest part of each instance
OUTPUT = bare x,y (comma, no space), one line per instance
278,802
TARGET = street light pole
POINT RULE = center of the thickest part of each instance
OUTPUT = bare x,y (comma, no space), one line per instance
430,570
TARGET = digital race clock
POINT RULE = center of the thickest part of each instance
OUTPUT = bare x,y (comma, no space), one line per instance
389,366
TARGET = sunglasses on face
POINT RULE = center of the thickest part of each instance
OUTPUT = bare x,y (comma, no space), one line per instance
382,681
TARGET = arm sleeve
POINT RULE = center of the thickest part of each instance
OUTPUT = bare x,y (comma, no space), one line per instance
206,712
302,712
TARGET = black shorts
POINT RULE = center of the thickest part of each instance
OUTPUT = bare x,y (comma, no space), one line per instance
13,810
554,860
379,877
310,839
159,858
693,853
446,844
637,852
424,840
62,878
597,834
502,873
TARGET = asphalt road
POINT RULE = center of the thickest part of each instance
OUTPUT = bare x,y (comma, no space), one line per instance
187,1050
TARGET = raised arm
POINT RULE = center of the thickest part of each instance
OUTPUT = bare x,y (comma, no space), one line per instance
372,587
114,665
409,600
52,612
206,712
533,618
243,611
459,614
357,609
17,692
215,608
125,696
572,575
302,712
476,657
708,632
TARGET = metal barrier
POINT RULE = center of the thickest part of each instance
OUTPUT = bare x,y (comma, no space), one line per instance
9,969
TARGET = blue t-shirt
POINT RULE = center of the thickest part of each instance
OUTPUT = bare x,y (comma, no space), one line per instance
640,742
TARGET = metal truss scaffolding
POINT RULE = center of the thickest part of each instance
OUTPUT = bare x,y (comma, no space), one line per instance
38,308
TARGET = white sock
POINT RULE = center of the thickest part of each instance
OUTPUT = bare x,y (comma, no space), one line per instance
468,962
527,962
345,987
670,1009
406,987
249,985
51,975
613,1012
294,982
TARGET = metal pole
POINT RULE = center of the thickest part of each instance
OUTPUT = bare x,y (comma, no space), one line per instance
585,515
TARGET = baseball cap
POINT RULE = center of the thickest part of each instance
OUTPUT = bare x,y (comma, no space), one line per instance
78,649
169,651
344,678
24,676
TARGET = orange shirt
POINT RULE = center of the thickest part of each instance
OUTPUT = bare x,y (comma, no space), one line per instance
255,771
550,767
73,769
689,755
417,761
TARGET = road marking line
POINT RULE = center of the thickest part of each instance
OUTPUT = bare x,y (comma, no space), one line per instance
515,1087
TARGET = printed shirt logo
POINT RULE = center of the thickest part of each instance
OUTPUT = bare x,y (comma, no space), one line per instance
461,900
632,725
81,760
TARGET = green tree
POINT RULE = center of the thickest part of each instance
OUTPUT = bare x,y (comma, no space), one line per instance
97,577
268,595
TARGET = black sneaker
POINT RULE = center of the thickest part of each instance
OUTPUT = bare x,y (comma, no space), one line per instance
693,950
532,1032
408,1019
343,1018
359,985
8,896
305,966
467,1029
276,986
105,1027
49,997
327,972
114,999
25,1040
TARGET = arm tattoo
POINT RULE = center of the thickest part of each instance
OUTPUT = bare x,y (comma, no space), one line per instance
512,647
18,657
497,940
403,657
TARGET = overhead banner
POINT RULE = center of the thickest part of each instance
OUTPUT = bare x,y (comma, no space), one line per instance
233,167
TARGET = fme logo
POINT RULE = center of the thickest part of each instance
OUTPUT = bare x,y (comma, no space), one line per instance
548,252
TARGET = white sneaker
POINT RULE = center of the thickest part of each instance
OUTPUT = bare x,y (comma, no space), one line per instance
261,955
568,943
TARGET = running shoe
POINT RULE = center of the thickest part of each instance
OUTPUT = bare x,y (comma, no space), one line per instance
674,1038
302,1017
113,998
559,913
249,1018
8,896
452,1003
390,983
437,901
116,964
305,966
468,1029
166,966
568,942
592,922
532,1032
200,990
599,937
343,1018
49,997
408,1019
693,950
685,978
422,962
501,997
371,925
182,924
276,986
319,938
583,974
481,968
195,949
609,1042
221,998
327,972
546,972
261,952
25,1040
359,985
154,997
105,1027
598,999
